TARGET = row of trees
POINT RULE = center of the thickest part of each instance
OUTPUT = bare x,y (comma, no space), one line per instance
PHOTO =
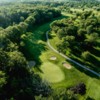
80,5
13,33
72,93
79,34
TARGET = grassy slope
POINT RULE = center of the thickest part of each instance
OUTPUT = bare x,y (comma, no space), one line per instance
37,48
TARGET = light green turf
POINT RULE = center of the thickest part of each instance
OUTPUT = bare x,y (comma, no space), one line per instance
52,73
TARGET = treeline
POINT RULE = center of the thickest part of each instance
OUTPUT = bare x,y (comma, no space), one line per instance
13,33
12,14
17,80
79,37
82,5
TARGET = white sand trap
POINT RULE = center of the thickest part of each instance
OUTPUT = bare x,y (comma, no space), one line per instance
31,63
66,65
53,58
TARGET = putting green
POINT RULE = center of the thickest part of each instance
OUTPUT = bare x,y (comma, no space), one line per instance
52,73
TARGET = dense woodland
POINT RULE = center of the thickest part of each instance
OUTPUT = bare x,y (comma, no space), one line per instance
16,79
79,33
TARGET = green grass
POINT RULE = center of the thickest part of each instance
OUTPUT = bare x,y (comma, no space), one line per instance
53,71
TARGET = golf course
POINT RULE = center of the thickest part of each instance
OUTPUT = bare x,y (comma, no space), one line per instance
50,50
53,71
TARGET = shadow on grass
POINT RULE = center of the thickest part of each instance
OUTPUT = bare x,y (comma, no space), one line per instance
39,69
51,36
95,52
84,70
33,50
93,63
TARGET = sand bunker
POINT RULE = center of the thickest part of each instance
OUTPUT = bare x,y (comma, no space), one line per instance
31,63
53,58
66,65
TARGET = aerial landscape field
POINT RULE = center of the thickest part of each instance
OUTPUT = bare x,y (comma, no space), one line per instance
49,50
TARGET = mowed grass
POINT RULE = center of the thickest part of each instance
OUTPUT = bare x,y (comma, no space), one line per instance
53,71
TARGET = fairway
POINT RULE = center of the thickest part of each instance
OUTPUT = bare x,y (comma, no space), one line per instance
52,73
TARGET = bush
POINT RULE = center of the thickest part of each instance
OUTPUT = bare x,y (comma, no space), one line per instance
79,89
85,55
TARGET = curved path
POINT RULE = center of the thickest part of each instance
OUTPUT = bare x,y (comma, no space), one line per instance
71,60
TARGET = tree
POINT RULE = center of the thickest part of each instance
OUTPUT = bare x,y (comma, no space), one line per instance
71,29
91,39
85,55
63,94
89,29
86,14
60,33
69,38
22,18
3,60
81,34
62,46
21,83
2,80
17,65
68,41
79,89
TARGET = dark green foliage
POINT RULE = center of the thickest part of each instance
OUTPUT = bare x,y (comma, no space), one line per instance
2,80
89,98
64,94
17,80
79,89
86,55
79,35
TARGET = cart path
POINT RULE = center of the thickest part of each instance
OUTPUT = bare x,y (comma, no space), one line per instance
71,60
